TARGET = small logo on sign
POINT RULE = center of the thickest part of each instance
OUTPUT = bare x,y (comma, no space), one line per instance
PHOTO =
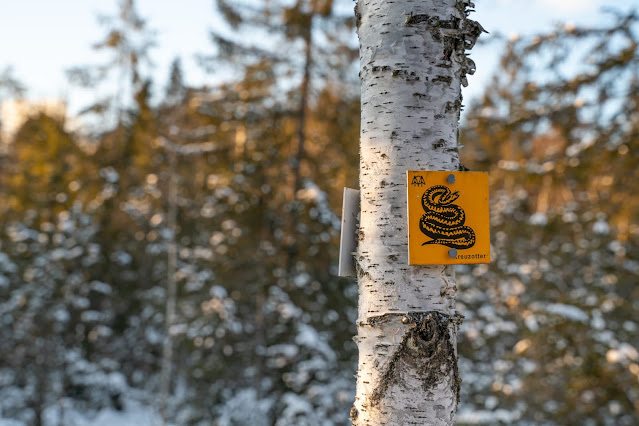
444,221
418,181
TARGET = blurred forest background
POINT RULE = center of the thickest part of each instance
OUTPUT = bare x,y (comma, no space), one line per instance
176,254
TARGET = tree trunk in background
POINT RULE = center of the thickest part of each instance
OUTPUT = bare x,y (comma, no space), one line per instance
304,91
412,63
171,291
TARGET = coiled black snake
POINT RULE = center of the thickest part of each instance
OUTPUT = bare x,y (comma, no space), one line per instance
444,221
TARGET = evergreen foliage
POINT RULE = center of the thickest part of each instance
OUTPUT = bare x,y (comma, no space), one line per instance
262,329
552,339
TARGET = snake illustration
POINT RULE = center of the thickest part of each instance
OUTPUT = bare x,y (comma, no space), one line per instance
444,221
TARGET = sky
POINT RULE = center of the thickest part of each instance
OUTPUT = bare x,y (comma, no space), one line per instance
43,38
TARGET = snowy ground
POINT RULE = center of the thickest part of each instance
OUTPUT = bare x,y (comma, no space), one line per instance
135,414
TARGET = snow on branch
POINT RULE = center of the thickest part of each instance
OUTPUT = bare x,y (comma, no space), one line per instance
190,149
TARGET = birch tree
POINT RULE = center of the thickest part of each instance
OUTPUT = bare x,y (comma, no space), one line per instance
412,64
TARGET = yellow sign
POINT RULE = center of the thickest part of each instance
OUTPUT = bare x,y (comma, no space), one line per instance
448,218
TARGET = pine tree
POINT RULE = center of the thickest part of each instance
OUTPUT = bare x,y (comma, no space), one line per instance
550,334
284,215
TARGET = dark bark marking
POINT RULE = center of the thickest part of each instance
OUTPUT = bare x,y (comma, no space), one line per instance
378,68
444,79
450,106
425,349
437,36
439,144
409,77
434,21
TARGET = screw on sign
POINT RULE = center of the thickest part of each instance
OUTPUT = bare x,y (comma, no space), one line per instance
448,217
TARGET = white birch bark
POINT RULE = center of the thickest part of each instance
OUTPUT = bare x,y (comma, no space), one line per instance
412,64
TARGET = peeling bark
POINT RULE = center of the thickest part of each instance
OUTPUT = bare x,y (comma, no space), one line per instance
412,66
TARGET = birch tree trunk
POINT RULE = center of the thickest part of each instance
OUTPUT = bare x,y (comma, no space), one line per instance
412,63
